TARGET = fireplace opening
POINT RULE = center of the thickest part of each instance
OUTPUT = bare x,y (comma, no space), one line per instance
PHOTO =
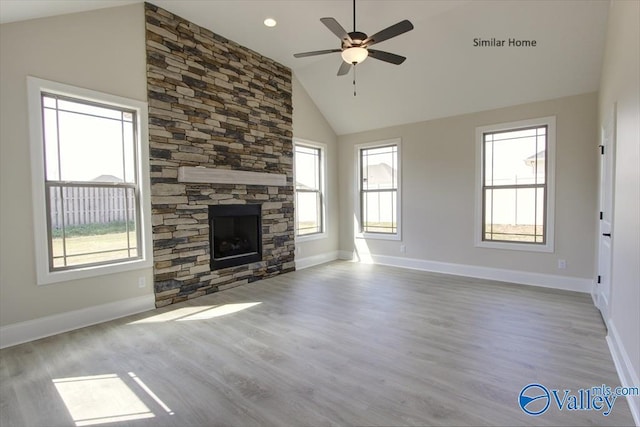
235,235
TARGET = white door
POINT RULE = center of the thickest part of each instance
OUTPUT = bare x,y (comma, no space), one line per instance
605,235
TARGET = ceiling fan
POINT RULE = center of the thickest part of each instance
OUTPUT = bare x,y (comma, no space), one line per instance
355,45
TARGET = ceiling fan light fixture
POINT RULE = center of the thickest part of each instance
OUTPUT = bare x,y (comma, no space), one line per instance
355,55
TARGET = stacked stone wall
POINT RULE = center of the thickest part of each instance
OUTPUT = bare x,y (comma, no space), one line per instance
216,104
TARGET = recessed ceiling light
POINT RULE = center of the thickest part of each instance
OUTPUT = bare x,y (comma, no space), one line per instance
270,22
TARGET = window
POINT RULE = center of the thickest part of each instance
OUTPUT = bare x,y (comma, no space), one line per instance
516,185
378,176
87,169
309,170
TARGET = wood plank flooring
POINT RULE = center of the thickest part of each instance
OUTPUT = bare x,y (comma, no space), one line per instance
337,344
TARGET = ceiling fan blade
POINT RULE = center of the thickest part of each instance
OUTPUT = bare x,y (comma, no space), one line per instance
344,68
386,56
387,33
337,29
315,52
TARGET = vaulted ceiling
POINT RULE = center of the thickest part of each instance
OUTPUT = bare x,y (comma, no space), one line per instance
444,75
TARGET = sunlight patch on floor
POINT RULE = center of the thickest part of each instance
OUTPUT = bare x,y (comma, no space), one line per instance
196,313
172,315
151,393
100,399
221,310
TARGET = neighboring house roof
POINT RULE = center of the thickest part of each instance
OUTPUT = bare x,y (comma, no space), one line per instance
381,173
301,186
107,178
530,161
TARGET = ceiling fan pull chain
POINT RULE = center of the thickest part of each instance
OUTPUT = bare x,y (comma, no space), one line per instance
354,79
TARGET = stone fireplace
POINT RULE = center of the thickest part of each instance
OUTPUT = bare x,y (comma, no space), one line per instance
220,137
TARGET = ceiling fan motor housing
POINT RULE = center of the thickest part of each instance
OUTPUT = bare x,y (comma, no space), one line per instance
357,37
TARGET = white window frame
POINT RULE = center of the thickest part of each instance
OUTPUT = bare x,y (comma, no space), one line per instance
35,88
357,203
323,177
550,159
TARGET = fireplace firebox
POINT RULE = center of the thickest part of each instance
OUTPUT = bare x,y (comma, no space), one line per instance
235,235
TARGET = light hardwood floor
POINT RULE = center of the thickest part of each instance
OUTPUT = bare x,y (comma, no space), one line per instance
337,344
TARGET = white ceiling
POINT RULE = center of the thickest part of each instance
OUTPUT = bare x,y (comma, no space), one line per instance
444,74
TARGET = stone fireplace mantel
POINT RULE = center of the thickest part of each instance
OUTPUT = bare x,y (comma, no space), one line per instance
200,174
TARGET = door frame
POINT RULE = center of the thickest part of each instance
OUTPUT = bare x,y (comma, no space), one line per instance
604,251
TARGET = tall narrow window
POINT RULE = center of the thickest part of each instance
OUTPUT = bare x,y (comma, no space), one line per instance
378,176
515,184
309,190
91,182
90,179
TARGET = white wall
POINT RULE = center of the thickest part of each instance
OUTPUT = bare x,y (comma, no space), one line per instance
309,124
438,182
621,84
104,51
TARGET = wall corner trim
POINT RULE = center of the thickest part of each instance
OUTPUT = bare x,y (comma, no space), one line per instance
314,260
624,367
346,255
31,330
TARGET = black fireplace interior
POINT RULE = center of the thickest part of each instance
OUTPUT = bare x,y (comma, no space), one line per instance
235,236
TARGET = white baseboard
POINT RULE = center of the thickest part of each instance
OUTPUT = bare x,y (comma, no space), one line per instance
346,255
18,333
595,295
626,372
302,263
575,284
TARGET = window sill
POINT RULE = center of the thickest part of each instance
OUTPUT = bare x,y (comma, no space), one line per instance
311,237
48,278
378,236
548,248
